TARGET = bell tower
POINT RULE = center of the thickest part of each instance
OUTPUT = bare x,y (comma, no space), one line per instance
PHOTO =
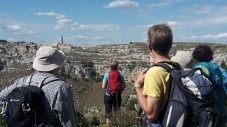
62,41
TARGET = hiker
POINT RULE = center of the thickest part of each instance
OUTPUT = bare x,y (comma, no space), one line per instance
154,94
224,79
184,58
114,84
203,54
59,107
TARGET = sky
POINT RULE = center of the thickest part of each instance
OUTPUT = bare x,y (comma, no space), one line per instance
95,22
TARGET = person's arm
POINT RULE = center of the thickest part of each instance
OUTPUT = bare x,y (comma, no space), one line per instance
149,105
4,93
123,81
65,107
103,84
104,81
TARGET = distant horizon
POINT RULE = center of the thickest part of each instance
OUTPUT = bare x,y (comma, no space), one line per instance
110,43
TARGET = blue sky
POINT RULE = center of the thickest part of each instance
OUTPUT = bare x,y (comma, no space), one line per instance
94,22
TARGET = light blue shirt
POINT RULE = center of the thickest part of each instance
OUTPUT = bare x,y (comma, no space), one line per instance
105,79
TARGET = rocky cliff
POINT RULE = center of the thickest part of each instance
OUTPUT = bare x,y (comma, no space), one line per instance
86,63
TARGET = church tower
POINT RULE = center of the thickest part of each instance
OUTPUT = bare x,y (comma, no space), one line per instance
62,40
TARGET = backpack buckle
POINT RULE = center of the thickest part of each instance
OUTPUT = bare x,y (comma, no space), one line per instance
26,108
4,107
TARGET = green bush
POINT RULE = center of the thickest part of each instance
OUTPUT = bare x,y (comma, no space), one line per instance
122,119
130,104
223,65
81,121
2,121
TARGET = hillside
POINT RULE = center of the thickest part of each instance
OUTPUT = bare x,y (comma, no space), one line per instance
84,67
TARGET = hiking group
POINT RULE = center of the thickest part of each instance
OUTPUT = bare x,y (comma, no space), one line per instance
169,94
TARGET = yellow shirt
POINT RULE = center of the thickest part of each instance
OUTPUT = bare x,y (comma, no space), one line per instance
156,84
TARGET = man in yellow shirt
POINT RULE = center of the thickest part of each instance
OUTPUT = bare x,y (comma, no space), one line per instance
153,97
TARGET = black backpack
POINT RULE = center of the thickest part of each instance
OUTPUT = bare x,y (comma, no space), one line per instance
25,105
191,101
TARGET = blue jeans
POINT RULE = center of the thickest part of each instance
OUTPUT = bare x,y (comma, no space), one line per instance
147,123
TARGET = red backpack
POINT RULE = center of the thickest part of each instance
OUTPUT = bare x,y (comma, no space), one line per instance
114,82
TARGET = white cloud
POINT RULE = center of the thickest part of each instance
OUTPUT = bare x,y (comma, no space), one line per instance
149,25
58,16
62,22
76,38
17,29
204,10
217,36
98,27
221,37
209,21
82,38
65,23
122,3
68,24
159,5
98,38
204,15
173,23
85,40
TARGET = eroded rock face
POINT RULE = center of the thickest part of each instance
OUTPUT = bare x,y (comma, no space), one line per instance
84,64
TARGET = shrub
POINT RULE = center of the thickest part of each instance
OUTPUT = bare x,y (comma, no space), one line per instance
81,121
130,104
2,121
122,119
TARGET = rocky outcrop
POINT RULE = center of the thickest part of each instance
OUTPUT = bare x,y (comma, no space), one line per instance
84,64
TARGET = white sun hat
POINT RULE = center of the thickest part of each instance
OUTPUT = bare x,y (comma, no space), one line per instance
184,58
48,58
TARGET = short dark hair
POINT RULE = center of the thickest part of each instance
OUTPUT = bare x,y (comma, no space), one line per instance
203,53
160,38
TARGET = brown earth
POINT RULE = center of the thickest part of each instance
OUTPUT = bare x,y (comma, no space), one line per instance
90,94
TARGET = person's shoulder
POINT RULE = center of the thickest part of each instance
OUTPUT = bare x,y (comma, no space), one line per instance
63,85
214,65
202,63
121,73
106,74
21,80
223,70
58,82
155,69
61,82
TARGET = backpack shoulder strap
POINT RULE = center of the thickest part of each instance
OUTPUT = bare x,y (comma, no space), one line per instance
44,81
27,80
48,80
163,64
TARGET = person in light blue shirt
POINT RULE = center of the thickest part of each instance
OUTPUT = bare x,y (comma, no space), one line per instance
112,101
204,55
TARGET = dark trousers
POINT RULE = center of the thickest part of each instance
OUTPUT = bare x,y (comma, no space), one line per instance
112,102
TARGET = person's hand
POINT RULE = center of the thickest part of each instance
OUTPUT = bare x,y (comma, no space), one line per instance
140,78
